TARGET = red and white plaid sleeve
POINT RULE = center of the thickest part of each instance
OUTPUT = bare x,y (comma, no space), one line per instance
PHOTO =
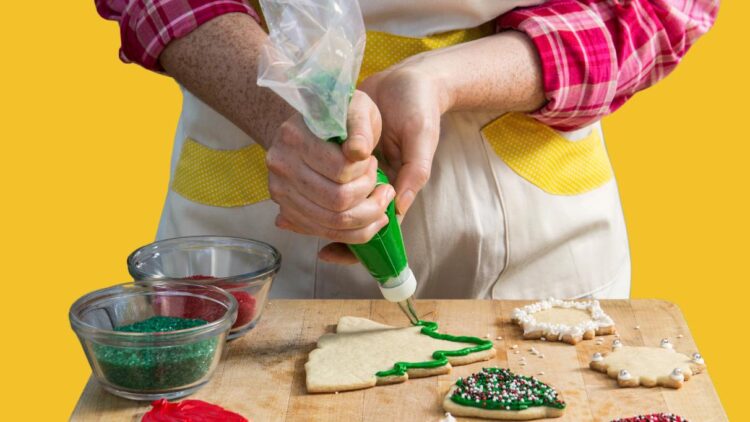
596,54
147,26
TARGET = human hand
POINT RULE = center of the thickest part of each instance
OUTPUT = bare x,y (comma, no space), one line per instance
411,103
328,190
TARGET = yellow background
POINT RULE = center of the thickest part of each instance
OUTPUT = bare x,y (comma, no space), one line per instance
85,148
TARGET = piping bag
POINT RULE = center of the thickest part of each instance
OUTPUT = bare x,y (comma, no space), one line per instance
312,60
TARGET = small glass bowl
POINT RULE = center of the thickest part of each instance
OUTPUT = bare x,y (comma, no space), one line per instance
141,363
245,268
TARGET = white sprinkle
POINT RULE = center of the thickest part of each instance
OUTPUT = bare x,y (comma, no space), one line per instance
523,363
680,336
499,338
516,352
541,373
515,346
336,392
543,339
541,356
487,335
637,327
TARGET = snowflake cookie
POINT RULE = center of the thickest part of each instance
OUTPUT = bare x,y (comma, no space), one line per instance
563,320
632,366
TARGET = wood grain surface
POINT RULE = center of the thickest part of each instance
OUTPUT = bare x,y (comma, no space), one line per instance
262,374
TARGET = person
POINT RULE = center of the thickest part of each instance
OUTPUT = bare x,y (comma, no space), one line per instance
484,114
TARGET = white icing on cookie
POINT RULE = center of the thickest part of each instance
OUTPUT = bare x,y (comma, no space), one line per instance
597,357
665,343
616,344
624,375
697,358
677,375
525,317
448,418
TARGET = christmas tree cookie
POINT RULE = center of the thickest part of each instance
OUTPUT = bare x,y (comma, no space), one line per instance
648,366
498,393
563,320
364,353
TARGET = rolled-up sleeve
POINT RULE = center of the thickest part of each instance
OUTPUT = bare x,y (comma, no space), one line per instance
596,54
148,26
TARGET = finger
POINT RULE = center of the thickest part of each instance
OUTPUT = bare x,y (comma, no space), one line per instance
328,159
361,215
334,196
362,126
337,253
416,156
291,219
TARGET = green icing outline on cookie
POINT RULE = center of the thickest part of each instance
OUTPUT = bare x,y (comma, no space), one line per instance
439,357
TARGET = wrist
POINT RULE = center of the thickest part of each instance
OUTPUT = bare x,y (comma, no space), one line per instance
438,78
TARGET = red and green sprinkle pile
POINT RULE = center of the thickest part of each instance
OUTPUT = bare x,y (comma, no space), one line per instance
501,389
656,417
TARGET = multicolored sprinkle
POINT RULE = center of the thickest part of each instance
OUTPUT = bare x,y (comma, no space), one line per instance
654,417
501,389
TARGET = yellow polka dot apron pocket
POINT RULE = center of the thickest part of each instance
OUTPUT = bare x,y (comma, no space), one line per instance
220,178
546,158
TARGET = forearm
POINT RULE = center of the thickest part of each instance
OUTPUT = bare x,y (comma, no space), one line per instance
218,62
496,73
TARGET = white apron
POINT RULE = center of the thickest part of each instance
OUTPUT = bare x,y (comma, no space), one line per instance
513,209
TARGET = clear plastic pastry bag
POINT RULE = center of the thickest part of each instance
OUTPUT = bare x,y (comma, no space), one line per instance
312,59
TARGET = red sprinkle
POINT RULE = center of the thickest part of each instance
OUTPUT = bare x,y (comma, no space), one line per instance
654,417
245,301
189,411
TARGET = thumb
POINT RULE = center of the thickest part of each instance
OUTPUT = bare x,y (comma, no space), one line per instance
363,127
417,154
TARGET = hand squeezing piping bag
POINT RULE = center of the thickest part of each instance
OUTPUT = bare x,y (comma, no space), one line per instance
312,60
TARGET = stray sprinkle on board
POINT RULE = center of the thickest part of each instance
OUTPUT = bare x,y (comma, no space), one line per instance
156,368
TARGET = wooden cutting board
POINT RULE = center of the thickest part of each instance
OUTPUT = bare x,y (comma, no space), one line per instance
262,374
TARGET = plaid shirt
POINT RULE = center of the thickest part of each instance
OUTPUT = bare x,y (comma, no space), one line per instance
595,54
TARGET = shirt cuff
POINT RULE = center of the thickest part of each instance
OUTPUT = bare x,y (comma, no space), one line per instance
147,27
579,65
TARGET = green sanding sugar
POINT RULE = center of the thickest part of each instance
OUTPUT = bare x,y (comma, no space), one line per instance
156,367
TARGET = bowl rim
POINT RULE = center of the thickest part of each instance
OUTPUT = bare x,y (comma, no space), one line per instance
85,329
259,274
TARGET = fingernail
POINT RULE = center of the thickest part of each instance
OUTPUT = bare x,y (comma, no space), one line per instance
391,194
404,201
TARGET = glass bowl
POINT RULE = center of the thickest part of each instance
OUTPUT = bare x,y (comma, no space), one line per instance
154,339
245,268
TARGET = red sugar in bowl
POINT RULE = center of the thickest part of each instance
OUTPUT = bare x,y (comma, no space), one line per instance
243,267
